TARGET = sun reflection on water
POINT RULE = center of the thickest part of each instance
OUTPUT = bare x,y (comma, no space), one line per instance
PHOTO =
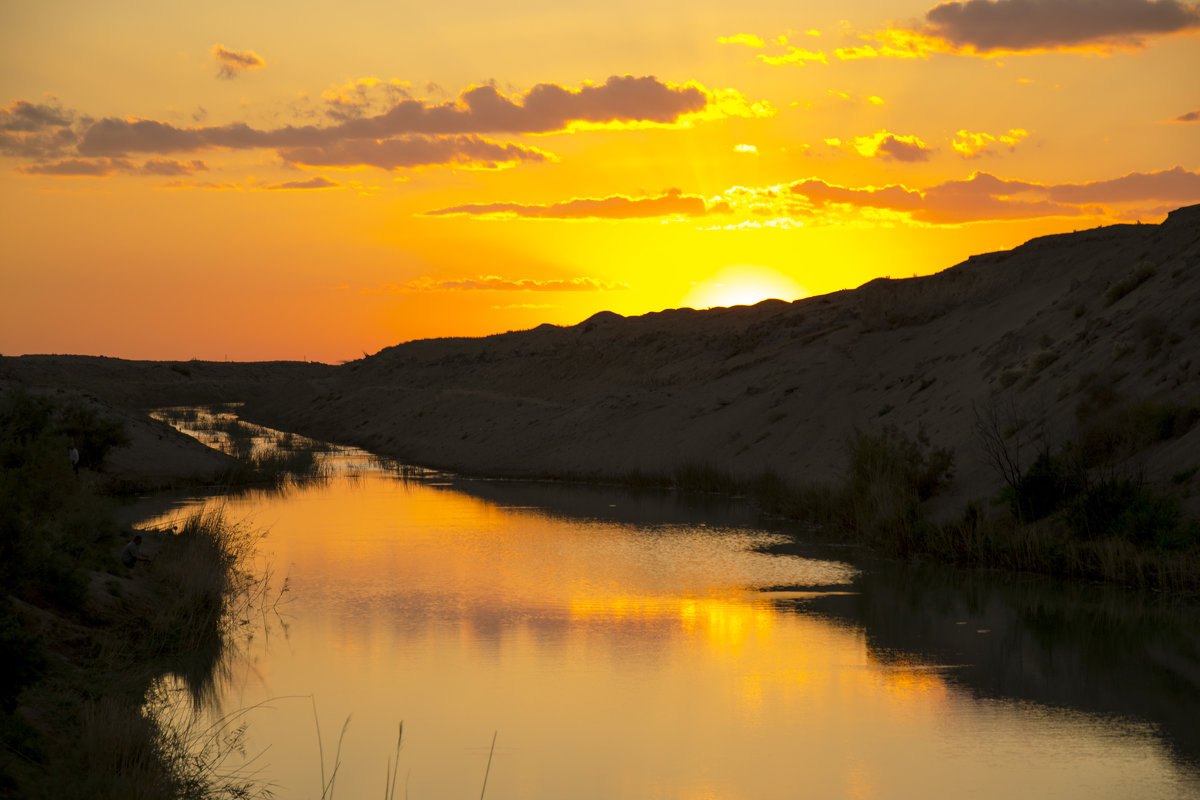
618,660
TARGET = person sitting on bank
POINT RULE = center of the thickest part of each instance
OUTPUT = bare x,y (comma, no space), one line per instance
132,553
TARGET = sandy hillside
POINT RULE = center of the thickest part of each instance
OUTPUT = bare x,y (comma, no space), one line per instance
1047,337
1051,333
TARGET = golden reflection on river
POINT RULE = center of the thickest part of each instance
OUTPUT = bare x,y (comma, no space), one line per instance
615,660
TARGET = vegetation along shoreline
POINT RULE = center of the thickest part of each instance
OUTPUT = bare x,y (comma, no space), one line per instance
1034,410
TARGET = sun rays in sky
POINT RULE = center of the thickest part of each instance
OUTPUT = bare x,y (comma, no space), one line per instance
302,180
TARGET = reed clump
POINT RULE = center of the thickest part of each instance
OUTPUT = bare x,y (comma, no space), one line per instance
84,640
267,458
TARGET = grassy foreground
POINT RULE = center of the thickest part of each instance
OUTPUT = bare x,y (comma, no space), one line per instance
85,642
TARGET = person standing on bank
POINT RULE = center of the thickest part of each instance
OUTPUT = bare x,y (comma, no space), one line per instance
132,553
73,453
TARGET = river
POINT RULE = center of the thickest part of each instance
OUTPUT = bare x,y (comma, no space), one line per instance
542,640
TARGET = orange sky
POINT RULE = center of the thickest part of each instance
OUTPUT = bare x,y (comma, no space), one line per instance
317,181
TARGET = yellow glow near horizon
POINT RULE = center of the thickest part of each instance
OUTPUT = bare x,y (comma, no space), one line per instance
743,285
327,165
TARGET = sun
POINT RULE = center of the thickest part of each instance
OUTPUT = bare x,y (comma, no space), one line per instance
742,285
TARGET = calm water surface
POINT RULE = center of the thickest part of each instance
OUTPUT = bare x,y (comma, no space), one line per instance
625,645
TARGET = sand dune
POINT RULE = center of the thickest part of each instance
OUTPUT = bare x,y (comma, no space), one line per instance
1034,332
1051,332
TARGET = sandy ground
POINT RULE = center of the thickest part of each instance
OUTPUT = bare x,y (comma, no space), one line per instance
1040,337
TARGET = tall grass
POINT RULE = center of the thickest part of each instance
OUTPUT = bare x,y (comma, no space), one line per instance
1116,531
207,589
268,458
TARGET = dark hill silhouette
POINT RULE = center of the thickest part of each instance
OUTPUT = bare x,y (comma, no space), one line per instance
1047,338
1045,333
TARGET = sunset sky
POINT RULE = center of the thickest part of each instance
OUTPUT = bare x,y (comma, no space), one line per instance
313,180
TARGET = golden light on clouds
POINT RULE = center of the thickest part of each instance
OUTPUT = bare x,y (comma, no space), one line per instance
542,149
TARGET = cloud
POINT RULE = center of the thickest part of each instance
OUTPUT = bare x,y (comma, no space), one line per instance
747,39
494,283
891,147
409,152
359,98
1191,116
167,166
103,167
408,131
895,197
26,117
78,167
987,26
673,203
370,123
903,148
1175,185
795,55
36,130
209,185
311,183
974,145
985,197
231,63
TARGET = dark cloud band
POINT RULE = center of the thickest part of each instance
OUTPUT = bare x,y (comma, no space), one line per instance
1017,25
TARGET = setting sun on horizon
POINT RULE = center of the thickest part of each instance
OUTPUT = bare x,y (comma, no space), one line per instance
743,285
305,181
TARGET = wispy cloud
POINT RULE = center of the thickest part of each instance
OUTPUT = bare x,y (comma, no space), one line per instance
795,55
985,197
495,283
363,97
205,185
81,167
103,167
747,39
232,63
1191,116
892,147
169,166
311,183
408,152
975,145
672,203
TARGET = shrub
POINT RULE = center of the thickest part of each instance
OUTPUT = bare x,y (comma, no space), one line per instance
697,477
1041,489
1008,377
1142,273
1153,332
22,658
1040,360
1125,509
888,476
94,435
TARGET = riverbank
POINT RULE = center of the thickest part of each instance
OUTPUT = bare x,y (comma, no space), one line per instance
85,642
1061,379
